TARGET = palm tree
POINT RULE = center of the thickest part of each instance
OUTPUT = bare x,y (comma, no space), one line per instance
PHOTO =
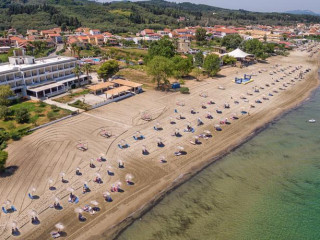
87,68
64,40
73,48
78,50
77,72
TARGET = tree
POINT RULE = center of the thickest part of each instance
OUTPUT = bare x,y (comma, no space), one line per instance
164,47
22,115
231,41
64,40
181,66
254,46
5,93
77,49
77,72
3,159
201,35
5,112
197,73
87,68
108,69
228,60
212,64
198,59
160,68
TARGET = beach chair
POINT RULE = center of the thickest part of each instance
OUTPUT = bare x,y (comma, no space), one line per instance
13,208
120,146
30,196
4,210
77,200
55,234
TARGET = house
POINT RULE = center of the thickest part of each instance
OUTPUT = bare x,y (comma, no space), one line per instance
56,37
99,39
32,32
146,32
12,31
183,46
94,32
221,32
84,39
82,31
39,78
5,42
45,33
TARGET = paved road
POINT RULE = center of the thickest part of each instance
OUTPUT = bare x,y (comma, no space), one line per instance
58,48
62,105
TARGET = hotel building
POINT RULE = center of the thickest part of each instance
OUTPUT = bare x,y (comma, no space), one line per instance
40,78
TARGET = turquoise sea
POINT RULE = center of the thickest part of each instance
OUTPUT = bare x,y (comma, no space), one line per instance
269,188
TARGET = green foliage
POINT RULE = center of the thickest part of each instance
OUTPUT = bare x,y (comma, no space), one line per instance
108,69
164,47
87,68
201,35
160,68
22,115
5,93
231,41
181,66
119,16
80,104
4,136
259,49
212,64
5,113
51,115
198,59
15,135
184,90
3,159
54,108
228,60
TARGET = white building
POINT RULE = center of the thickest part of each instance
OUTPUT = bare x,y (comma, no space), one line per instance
40,78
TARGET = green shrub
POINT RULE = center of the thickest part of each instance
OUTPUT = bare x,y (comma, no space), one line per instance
11,126
42,104
54,108
181,81
22,115
184,90
15,135
5,112
51,115
3,159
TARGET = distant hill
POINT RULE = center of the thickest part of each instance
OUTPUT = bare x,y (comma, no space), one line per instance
130,17
303,12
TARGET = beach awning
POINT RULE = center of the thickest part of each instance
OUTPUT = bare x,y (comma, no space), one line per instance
238,53
101,86
117,91
127,83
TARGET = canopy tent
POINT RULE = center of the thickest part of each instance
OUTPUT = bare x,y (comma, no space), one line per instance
238,53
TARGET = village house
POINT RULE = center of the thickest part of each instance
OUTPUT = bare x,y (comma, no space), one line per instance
94,32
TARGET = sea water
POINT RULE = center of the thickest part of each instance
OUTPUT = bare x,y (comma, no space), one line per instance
269,188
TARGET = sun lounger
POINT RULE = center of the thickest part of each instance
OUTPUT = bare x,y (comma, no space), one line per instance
30,196
13,208
55,234
4,210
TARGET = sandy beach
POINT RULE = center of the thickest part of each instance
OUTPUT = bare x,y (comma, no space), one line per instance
52,150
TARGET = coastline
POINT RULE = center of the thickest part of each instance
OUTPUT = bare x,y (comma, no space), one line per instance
110,222
122,226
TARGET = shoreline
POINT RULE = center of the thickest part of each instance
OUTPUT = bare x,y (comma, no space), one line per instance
152,181
189,175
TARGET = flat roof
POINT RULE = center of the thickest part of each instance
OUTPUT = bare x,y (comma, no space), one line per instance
118,90
40,62
127,83
100,86
45,87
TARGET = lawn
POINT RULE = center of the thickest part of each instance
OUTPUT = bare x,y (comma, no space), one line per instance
71,96
3,57
40,113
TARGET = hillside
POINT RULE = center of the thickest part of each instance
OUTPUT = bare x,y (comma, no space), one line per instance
304,12
121,17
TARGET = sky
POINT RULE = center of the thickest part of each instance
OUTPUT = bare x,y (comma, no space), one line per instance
262,5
